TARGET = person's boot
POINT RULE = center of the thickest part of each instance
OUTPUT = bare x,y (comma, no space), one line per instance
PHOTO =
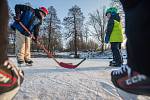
11,79
20,61
29,62
115,64
111,62
131,81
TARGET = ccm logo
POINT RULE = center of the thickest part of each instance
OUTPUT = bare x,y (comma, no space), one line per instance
135,79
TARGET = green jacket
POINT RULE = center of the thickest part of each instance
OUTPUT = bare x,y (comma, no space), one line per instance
117,32
114,31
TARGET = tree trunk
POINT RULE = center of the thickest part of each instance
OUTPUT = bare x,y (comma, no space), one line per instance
75,38
50,32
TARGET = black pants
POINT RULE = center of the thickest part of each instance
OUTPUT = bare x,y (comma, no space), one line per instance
137,19
116,51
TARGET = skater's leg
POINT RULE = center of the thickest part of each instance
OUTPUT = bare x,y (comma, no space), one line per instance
116,53
20,46
27,57
138,33
121,56
3,31
27,48
135,76
11,77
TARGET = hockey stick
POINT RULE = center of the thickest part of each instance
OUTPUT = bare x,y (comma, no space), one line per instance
70,66
62,64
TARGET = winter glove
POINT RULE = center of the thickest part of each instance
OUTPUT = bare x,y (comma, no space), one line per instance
11,77
106,39
17,19
12,27
35,38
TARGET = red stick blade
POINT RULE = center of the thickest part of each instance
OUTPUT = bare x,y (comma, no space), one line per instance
69,66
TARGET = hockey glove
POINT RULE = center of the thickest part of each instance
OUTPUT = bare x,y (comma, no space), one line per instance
106,39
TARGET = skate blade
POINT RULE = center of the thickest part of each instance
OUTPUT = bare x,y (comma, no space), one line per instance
20,65
28,64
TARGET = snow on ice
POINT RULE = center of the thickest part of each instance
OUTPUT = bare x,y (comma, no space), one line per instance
46,80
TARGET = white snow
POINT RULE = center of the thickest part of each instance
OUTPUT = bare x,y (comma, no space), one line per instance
46,80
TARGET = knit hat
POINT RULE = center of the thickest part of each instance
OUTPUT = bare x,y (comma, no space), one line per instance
111,10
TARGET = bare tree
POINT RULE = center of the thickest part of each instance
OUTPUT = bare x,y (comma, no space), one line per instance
98,23
11,33
73,24
53,29
86,34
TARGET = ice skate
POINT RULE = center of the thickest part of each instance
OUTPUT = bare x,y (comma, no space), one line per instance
20,62
28,62
131,81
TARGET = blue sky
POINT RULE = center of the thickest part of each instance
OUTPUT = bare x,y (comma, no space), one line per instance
62,6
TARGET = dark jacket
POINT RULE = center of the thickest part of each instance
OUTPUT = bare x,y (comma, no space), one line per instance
29,17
